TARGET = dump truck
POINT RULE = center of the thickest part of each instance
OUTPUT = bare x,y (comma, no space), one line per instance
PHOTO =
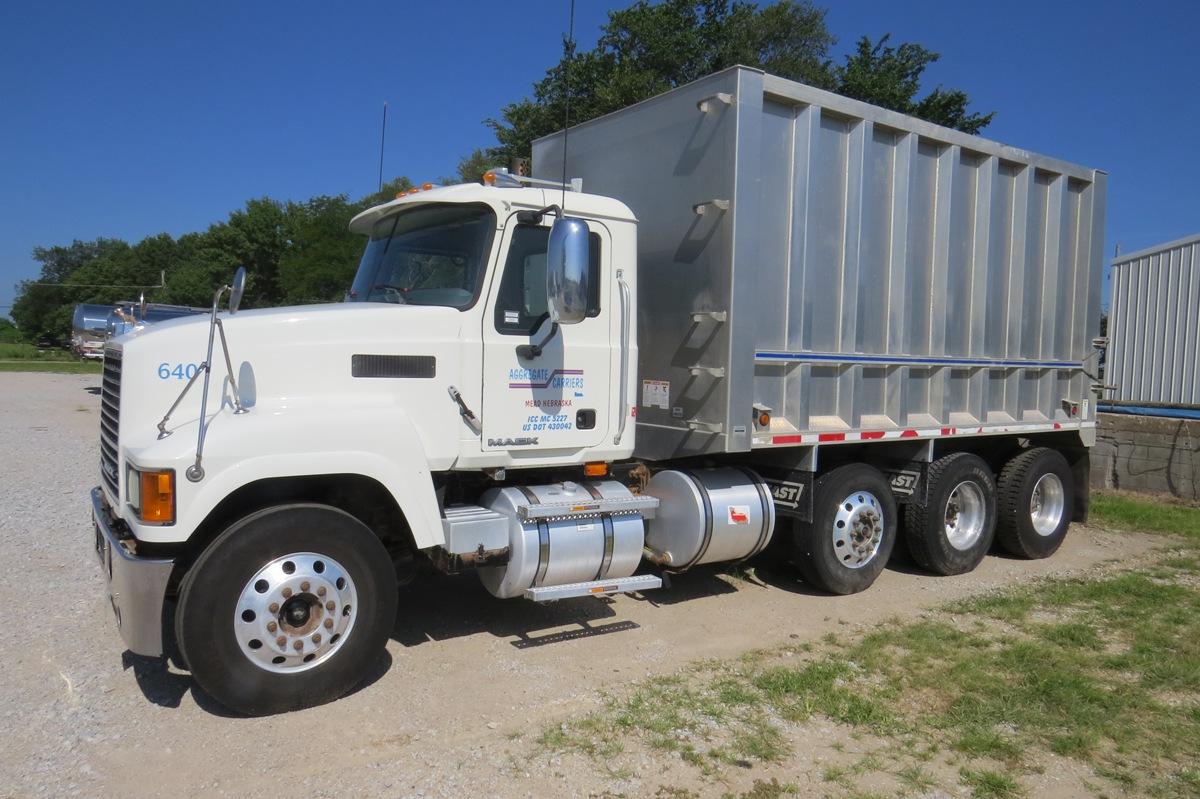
745,318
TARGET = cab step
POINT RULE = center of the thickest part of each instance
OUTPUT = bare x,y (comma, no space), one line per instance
619,585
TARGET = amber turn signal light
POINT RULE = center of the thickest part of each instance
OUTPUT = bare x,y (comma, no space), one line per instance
595,469
157,496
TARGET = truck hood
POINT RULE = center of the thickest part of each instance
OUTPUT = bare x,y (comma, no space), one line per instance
284,358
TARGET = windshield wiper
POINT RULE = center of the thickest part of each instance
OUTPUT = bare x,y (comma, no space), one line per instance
397,291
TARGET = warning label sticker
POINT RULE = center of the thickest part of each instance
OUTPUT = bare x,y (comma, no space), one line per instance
739,514
656,394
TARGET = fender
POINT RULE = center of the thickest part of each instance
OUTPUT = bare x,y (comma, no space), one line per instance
376,441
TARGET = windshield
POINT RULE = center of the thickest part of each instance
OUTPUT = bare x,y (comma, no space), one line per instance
429,255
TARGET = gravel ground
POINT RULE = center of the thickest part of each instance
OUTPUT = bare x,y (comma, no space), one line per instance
467,684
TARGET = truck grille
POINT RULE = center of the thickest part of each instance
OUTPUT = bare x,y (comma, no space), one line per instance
110,405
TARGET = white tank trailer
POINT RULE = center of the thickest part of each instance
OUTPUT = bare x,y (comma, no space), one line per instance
125,316
88,323
777,323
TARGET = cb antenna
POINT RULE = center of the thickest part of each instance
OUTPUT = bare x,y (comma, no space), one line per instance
570,48
382,139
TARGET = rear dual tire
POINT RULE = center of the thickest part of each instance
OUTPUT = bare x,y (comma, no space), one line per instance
953,531
1036,497
852,533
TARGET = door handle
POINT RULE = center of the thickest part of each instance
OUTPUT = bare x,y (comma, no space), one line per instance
463,411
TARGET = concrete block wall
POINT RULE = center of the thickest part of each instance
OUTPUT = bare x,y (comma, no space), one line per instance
1147,453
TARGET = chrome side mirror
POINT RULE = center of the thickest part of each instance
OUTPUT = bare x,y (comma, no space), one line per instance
237,289
567,271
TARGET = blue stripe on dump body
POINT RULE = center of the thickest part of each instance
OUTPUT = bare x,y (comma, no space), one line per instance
813,357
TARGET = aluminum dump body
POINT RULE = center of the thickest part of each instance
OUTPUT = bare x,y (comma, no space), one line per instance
855,272
1154,326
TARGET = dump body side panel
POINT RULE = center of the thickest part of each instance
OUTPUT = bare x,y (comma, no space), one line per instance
875,272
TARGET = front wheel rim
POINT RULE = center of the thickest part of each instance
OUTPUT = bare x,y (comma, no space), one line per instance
858,529
1046,504
295,612
965,515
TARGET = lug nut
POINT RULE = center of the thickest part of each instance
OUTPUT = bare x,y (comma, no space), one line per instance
329,605
316,639
321,590
272,626
298,645
329,624
287,592
304,585
273,607
281,641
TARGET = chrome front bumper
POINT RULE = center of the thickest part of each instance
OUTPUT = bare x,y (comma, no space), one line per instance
136,586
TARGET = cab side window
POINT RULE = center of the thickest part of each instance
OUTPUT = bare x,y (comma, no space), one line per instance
521,303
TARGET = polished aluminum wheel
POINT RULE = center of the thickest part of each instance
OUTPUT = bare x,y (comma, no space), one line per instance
858,529
295,612
966,514
1047,504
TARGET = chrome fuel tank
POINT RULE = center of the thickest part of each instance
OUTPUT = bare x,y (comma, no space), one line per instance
709,515
587,534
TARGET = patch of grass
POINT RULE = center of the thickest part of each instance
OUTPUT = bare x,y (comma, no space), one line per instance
1103,670
18,351
916,778
831,687
836,774
1128,513
762,789
980,741
1074,635
60,367
985,784
761,740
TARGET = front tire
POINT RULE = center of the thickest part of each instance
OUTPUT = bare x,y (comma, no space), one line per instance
1036,494
853,530
953,531
286,609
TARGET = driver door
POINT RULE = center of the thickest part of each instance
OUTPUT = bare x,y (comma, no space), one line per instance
562,398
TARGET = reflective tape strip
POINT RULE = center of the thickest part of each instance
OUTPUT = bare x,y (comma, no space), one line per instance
786,439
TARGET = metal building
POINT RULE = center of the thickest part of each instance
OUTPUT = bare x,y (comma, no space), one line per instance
1154,326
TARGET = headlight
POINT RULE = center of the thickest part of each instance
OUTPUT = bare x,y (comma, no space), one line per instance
151,494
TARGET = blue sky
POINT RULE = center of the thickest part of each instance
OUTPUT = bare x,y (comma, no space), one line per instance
130,119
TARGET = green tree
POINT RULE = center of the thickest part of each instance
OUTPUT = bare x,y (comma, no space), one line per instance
322,254
472,166
647,49
43,307
8,331
891,77
294,252
386,194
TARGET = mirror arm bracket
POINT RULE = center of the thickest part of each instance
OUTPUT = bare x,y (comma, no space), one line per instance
532,351
536,217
